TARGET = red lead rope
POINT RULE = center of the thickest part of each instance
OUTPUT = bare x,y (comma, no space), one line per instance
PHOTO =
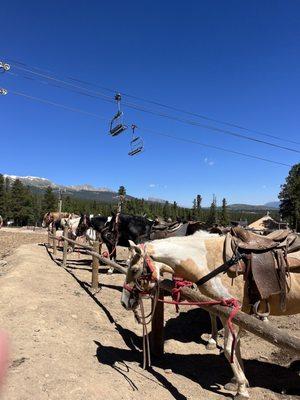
233,303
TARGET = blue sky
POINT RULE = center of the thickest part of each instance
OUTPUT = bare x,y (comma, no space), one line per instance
237,61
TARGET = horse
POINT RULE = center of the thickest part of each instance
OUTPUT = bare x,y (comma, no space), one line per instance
192,258
54,216
123,228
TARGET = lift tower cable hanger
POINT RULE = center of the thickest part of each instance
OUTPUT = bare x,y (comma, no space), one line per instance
116,124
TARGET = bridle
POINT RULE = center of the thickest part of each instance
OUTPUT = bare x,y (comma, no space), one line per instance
148,275
140,292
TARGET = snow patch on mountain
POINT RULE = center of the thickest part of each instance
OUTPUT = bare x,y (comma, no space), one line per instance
44,182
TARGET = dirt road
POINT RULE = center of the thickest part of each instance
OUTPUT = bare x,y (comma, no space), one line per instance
67,344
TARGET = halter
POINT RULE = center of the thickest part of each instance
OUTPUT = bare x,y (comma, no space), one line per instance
140,293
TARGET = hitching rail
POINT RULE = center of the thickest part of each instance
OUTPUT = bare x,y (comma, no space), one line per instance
259,328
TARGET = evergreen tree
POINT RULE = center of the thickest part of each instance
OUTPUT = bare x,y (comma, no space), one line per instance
7,200
195,204
49,202
198,202
21,204
166,210
289,197
224,220
2,196
122,191
212,216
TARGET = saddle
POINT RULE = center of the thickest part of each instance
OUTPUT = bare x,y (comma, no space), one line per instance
264,263
161,231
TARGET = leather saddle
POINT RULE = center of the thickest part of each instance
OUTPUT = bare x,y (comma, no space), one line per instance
264,264
248,240
167,226
161,231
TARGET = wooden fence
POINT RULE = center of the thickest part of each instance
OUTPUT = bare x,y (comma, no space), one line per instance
91,250
259,328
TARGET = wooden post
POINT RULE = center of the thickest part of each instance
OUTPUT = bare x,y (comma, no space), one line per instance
95,267
65,251
104,260
54,241
157,332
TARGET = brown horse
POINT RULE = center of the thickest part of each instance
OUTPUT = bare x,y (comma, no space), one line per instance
54,216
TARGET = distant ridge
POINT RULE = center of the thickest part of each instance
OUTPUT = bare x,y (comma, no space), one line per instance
272,205
85,191
106,195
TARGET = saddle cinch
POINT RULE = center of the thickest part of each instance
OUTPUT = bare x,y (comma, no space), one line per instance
264,264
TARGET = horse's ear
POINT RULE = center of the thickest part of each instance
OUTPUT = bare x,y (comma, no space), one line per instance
134,248
131,243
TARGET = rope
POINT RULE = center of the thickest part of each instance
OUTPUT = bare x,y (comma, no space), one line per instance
232,302
145,320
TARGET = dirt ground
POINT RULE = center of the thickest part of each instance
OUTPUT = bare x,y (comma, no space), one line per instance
68,344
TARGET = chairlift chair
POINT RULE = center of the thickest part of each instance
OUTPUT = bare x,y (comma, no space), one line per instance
4,67
116,125
136,143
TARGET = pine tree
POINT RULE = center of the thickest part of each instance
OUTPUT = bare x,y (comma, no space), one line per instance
21,204
224,220
198,202
2,196
166,210
289,197
122,191
49,202
212,216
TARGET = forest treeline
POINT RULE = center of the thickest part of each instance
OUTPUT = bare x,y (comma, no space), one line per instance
23,207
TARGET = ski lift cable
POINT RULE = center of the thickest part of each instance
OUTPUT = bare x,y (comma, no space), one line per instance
160,104
164,115
152,131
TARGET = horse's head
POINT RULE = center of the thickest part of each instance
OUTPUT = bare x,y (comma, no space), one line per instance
141,278
48,218
83,226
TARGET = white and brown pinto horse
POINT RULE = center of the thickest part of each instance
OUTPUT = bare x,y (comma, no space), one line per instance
192,258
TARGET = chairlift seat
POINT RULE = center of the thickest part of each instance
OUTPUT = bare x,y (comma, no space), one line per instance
135,151
117,129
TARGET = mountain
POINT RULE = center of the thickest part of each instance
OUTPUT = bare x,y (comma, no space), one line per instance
274,205
106,195
85,191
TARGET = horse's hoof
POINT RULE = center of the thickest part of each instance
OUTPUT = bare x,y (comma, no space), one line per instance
231,386
211,346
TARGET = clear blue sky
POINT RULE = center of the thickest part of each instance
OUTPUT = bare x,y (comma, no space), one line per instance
237,61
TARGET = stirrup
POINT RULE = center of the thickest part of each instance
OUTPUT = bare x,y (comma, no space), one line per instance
259,314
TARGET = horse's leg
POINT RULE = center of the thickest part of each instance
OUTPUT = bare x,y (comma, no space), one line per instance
112,251
239,381
232,385
213,340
